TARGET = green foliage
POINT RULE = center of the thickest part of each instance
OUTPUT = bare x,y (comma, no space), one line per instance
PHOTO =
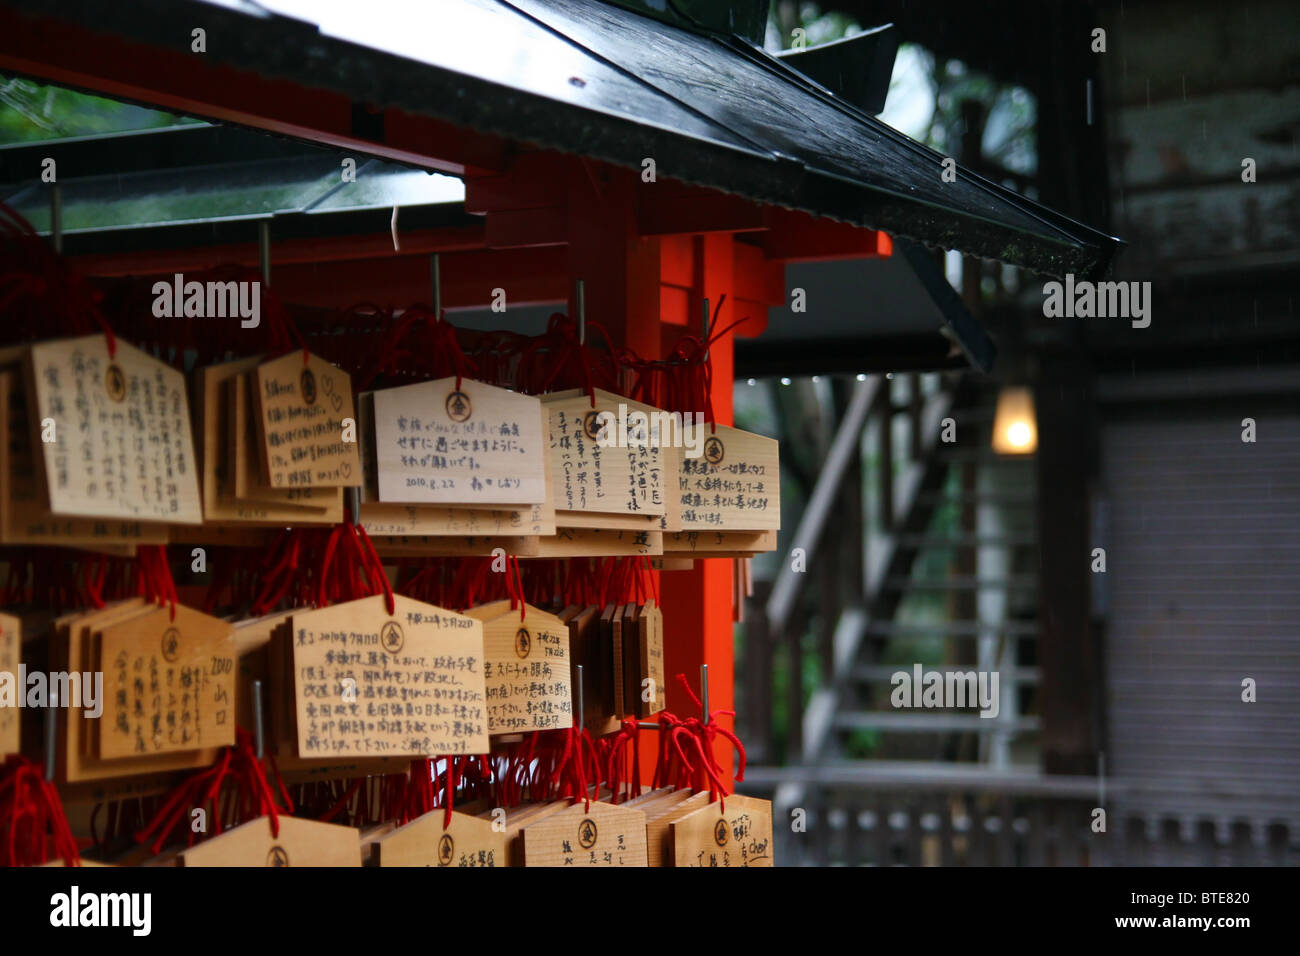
30,112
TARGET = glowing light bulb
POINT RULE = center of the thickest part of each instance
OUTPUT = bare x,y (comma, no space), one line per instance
1020,434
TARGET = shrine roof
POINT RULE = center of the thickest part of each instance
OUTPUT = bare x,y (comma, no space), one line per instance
592,79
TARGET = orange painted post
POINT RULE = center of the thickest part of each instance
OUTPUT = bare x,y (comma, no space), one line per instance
698,626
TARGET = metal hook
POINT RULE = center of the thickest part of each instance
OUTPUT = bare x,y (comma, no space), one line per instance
581,709
704,701
435,269
258,732
56,217
51,740
704,328
582,312
264,251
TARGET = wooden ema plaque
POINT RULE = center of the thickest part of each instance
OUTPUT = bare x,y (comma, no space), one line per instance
611,639
516,818
247,469
671,519
707,544
740,836
591,542
301,408
476,445
650,626
219,417
447,545
25,516
659,818
122,444
416,520
593,468
381,520
525,668
597,835
169,684
299,843
265,652
370,684
76,762
468,841
586,648
734,485
10,689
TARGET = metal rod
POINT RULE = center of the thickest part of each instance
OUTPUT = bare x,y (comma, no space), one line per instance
264,251
435,272
704,701
51,740
56,217
582,312
581,709
704,328
354,502
258,732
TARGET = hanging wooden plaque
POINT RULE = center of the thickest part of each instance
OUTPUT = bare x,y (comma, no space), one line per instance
526,669
652,695
217,413
600,464
169,684
10,687
415,520
659,844
611,639
71,650
372,684
452,546
631,670
477,444
705,544
91,629
597,686
122,446
469,841
25,516
591,542
301,409
734,485
597,835
247,469
516,818
299,843
739,836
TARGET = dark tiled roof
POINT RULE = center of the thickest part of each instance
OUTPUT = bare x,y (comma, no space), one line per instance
597,80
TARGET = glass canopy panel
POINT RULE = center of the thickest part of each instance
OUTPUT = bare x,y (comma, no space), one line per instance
381,185
195,194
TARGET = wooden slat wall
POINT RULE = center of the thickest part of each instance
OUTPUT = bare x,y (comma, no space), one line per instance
1203,577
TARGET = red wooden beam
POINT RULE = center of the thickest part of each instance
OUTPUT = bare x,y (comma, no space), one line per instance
288,251
667,208
528,276
798,237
